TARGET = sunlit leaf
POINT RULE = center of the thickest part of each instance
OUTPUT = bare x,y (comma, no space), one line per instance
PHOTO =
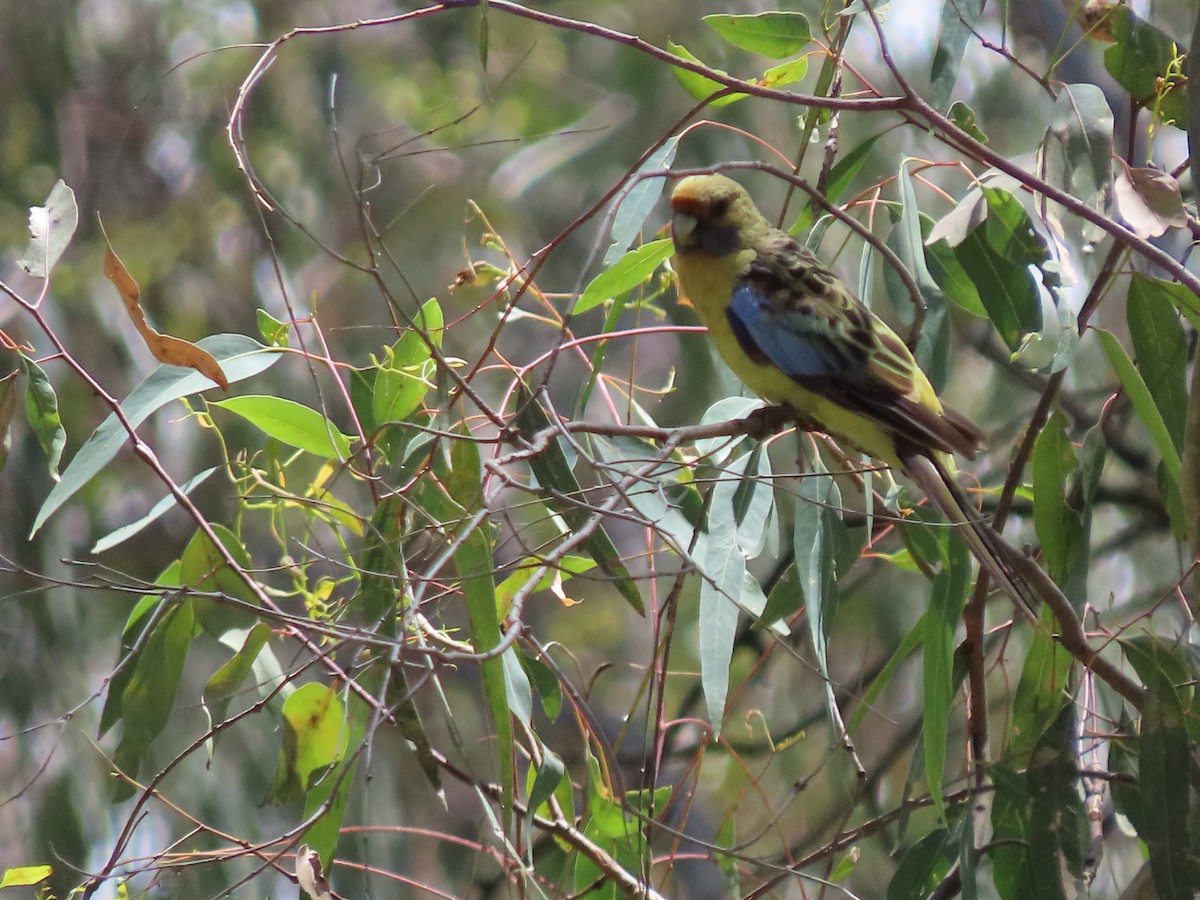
50,228
774,34
41,411
240,358
623,276
291,423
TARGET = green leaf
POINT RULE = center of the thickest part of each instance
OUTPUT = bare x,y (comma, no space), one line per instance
203,568
907,239
315,736
697,85
1042,692
41,411
1143,402
1057,824
149,694
948,597
163,506
1078,147
1060,528
226,682
640,202
50,228
475,567
290,423
786,73
24,876
1146,62
1176,294
8,407
957,26
923,866
627,273
273,331
1161,350
240,357
995,243
724,571
813,540
773,34
964,117
1163,753
382,575
560,489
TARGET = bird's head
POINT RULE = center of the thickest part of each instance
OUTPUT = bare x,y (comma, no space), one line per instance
712,215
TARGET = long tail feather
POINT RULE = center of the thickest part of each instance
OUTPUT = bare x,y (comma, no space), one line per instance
993,553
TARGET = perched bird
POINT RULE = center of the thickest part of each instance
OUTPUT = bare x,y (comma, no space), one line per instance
796,335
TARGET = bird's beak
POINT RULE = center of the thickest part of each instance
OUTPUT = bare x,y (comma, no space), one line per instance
683,229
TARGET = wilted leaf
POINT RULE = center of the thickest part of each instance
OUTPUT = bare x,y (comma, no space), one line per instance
166,349
1148,200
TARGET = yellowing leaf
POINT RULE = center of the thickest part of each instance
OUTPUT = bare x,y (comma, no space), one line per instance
166,349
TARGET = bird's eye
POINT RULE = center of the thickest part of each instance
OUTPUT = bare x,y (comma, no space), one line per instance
719,207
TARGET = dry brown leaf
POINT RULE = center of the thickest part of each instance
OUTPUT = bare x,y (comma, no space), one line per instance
166,349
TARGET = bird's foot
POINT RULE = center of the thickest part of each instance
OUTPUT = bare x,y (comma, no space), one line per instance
768,420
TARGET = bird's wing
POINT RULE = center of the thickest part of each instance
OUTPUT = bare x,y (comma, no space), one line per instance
789,311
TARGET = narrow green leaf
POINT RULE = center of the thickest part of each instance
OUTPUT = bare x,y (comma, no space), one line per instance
1143,403
149,694
1042,692
957,26
1161,350
724,570
1059,527
560,490
813,543
627,273
50,228
225,683
923,866
382,576
1164,819
903,651
1057,824
239,356
163,506
948,597
773,34
908,240
41,411
549,775
290,423
640,201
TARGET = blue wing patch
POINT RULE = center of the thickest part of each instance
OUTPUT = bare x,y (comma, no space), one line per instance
767,336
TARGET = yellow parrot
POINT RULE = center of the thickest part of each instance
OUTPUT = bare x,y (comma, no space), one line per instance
796,335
